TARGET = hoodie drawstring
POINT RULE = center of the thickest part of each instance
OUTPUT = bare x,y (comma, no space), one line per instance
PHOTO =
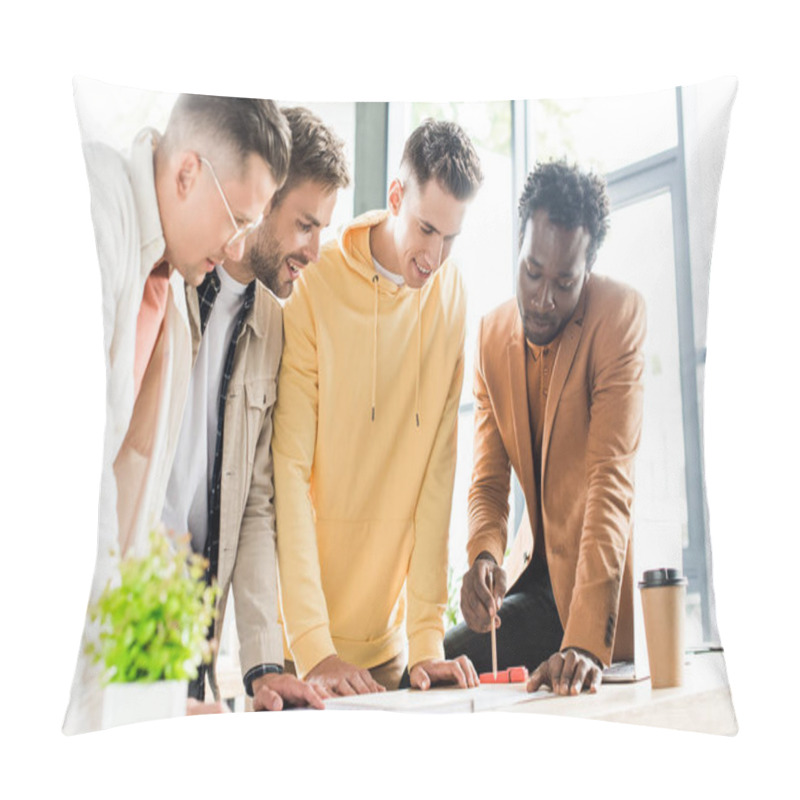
374,345
375,280
419,351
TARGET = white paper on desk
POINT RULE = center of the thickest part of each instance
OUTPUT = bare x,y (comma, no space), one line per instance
445,699
621,672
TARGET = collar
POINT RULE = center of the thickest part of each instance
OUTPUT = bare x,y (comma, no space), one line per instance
537,350
576,319
259,312
141,165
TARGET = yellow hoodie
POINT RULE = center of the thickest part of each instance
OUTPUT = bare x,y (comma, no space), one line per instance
365,453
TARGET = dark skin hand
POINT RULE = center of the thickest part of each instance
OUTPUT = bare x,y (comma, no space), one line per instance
569,672
482,592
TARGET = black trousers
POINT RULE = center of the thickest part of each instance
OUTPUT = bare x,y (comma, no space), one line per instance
530,631
197,687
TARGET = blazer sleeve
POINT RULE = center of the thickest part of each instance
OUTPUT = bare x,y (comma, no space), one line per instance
491,472
614,431
305,612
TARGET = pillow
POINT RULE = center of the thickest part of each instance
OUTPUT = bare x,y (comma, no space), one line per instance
661,155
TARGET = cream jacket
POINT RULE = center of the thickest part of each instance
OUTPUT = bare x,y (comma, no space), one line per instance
365,454
247,515
137,458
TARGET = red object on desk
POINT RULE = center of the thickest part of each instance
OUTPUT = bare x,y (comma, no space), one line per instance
510,675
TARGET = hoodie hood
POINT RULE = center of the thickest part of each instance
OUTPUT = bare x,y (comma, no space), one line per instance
354,245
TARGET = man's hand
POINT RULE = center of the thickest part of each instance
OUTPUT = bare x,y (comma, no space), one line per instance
343,679
197,707
569,672
271,692
482,592
459,671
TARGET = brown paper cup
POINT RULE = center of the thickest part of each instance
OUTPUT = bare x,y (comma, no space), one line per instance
663,603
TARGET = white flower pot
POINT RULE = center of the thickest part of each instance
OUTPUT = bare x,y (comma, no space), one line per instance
124,703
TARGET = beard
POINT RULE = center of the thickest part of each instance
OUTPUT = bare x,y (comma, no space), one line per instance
265,262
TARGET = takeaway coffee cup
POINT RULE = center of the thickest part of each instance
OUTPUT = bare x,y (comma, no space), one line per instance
663,602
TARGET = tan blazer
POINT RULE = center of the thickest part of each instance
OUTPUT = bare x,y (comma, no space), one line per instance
592,425
247,560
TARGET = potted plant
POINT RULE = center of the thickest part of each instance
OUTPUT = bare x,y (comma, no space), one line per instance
153,626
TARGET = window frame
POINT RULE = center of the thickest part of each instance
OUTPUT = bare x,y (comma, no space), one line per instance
635,182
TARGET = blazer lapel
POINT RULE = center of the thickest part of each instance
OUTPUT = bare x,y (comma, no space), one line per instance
570,340
519,408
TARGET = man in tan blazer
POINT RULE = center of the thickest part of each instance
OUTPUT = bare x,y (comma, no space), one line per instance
221,487
558,398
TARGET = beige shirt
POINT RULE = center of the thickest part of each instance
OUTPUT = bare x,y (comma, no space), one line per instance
247,562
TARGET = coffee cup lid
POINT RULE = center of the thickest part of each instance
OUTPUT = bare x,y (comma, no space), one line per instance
662,577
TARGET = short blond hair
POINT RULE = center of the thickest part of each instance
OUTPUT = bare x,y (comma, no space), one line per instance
241,125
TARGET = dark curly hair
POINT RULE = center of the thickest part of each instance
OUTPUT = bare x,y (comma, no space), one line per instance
571,198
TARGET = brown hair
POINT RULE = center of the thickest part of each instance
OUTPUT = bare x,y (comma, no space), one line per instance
317,154
241,125
442,150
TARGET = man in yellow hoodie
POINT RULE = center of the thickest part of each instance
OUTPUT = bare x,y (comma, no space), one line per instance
365,432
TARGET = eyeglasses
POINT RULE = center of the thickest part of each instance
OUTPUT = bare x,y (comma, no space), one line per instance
241,232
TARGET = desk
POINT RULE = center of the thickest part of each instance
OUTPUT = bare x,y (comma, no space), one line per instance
702,704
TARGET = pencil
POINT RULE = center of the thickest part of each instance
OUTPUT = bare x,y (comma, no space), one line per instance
494,635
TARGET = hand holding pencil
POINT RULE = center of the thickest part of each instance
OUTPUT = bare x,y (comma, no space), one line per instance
482,592
494,631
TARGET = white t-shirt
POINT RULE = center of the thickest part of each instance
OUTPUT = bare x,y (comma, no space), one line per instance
390,276
186,504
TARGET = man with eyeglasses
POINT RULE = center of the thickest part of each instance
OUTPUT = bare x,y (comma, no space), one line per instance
221,487
167,214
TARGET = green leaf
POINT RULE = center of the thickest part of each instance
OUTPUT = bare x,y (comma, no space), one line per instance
154,621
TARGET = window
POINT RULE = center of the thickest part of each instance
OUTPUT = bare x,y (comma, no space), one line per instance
484,253
638,144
